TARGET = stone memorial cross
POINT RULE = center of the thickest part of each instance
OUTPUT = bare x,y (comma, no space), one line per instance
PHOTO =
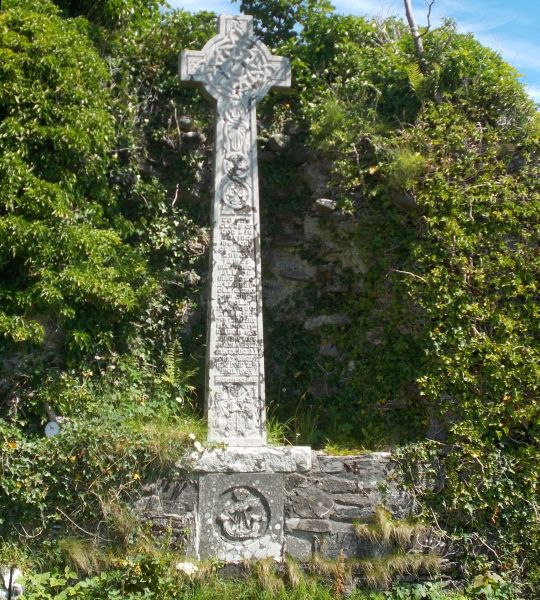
235,70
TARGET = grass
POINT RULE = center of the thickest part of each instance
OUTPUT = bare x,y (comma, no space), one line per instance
384,529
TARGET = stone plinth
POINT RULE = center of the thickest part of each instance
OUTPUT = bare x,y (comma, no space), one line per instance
240,516
263,459
315,509
239,513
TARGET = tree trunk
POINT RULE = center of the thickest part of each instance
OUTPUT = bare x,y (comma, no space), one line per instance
417,38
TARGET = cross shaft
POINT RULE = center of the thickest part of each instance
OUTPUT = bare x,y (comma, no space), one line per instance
234,71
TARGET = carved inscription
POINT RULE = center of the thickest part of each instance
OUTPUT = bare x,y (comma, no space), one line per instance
236,70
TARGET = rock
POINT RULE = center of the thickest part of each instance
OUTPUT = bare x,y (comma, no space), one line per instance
314,229
315,178
191,278
325,206
300,154
278,142
193,137
299,547
331,464
185,123
350,513
293,267
337,485
361,499
309,503
372,466
308,525
258,459
315,323
295,480
328,350
344,223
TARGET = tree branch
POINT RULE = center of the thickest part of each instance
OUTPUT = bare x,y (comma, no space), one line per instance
430,6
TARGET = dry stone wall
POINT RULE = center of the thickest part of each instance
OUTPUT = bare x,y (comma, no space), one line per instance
321,505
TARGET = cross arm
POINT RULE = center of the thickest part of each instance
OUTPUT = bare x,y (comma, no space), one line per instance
192,66
281,79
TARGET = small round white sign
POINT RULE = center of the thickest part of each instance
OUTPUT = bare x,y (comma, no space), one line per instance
51,429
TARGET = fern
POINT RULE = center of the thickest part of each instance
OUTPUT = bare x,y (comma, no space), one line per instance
416,78
175,376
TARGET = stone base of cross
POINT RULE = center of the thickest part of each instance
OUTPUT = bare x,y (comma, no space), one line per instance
240,509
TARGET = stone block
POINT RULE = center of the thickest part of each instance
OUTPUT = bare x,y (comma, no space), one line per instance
316,179
292,266
178,495
308,525
310,503
185,123
325,206
328,350
337,485
236,459
376,464
278,142
240,516
299,547
350,513
331,464
360,499
295,480
315,323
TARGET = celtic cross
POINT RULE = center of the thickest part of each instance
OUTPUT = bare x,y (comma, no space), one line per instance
235,70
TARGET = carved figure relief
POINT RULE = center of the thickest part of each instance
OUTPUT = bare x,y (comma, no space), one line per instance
244,515
237,411
236,126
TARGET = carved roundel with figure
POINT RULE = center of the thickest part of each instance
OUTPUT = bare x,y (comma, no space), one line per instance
235,195
242,514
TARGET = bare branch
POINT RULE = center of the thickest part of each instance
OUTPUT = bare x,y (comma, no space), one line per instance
419,277
92,535
430,6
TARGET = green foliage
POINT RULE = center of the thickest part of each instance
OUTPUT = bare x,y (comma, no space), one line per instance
276,20
112,14
441,173
423,591
73,477
64,259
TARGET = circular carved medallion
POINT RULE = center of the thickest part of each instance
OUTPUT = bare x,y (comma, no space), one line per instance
242,514
235,195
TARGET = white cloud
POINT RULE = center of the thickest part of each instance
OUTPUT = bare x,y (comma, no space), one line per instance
534,93
368,7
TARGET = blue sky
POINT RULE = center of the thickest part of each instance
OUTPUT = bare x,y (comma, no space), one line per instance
512,27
